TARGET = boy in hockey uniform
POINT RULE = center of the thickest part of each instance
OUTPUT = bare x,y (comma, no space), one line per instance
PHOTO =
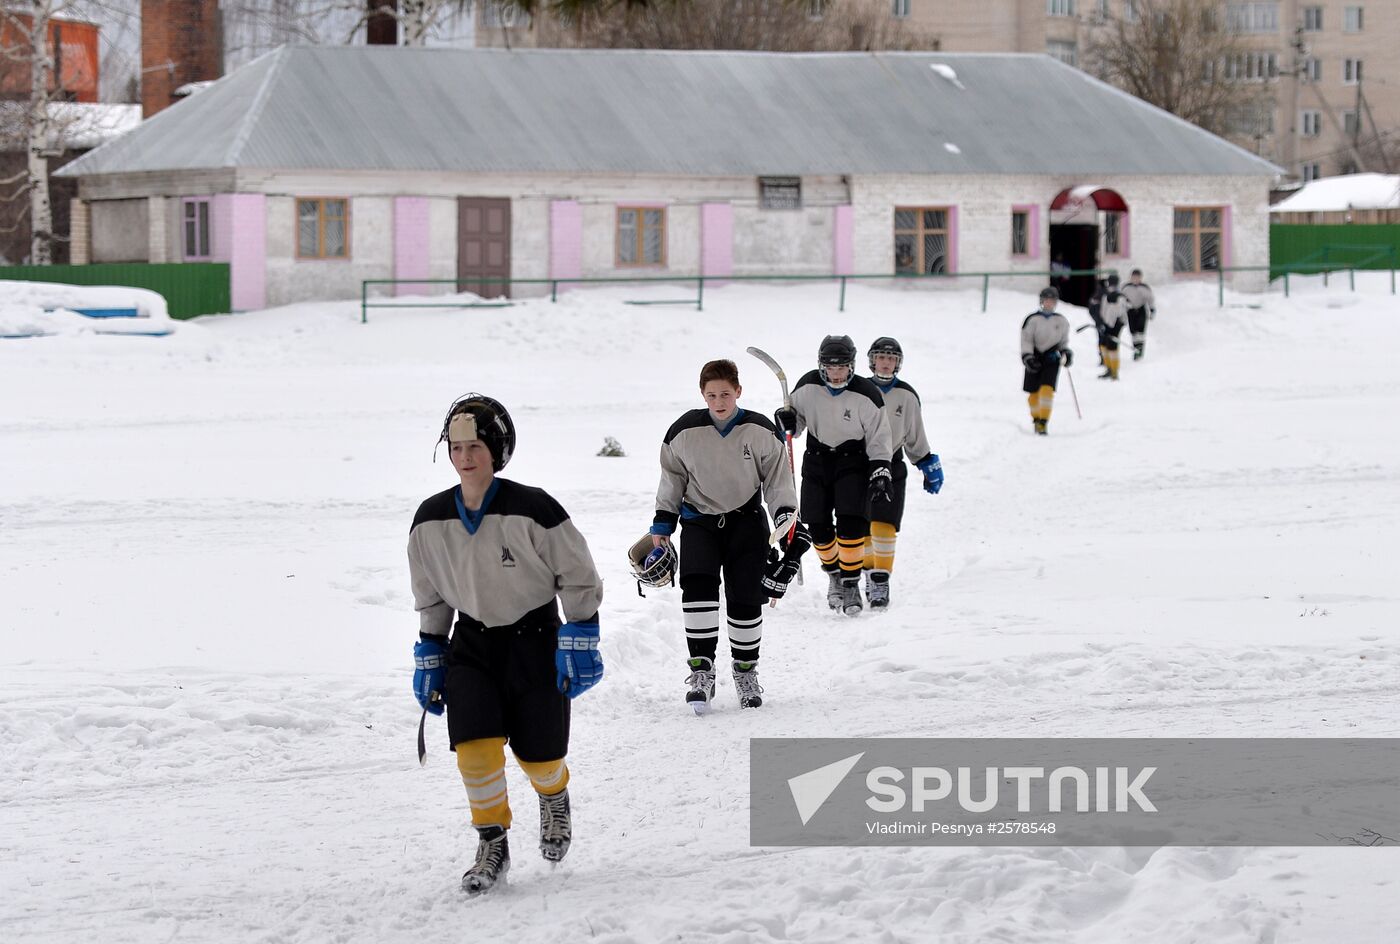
1113,315
904,412
501,556
715,461
1141,307
1044,344
846,468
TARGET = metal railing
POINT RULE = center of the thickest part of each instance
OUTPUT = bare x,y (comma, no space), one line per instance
698,300
1325,269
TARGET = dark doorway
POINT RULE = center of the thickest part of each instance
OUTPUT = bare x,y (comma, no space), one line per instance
1075,246
483,246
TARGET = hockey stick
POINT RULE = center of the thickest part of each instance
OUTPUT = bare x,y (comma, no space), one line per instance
1073,392
777,369
434,699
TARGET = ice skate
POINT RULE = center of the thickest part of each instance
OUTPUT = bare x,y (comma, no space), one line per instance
851,603
877,589
702,684
492,861
834,595
746,684
556,826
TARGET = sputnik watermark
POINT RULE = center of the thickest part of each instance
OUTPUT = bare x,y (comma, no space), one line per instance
1075,791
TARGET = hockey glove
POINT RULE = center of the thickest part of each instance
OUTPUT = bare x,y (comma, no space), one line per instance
429,674
1031,361
778,573
933,473
785,417
1068,356
796,544
1151,313
578,663
881,485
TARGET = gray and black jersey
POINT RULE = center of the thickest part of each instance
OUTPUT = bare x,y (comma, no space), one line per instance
500,564
708,471
1139,295
846,420
1044,331
905,413
1113,311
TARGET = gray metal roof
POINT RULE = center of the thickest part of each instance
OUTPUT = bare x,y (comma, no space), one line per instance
666,112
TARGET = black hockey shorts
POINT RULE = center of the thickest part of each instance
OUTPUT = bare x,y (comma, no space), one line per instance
1048,375
834,484
501,683
1108,338
735,544
892,511
1137,320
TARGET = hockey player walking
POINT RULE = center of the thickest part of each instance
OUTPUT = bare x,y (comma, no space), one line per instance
846,468
1044,345
716,461
1113,315
501,557
904,412
1141,307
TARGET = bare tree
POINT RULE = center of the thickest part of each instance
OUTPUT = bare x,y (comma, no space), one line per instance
1180,56
768,25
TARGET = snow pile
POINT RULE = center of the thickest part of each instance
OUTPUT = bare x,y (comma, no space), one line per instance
36,309
1350,192
948,73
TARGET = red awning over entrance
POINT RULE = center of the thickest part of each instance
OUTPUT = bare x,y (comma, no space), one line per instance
1103,198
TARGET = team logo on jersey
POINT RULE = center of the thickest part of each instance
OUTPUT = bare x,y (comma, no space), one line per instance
899,410
507,558
748,453
847,414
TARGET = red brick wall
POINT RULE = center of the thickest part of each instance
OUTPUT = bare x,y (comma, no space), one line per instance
181,41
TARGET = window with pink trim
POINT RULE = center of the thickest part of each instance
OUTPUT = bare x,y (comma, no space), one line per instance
195,226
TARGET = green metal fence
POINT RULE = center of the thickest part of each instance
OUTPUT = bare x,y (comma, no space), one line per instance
189,288
1325,269
1358,245
698,281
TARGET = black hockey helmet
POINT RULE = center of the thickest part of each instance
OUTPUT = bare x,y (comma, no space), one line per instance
1112,281
1050,291
474,416
885,346
836,351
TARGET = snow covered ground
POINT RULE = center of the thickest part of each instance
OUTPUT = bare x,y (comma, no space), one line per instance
205,718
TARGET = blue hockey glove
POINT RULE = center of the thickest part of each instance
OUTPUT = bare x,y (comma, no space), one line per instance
429,674
881,485
578,663
933,473
778,573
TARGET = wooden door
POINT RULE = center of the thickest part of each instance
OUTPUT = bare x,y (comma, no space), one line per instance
483,246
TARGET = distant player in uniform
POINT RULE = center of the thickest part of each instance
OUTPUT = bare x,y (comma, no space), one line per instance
904,412
846,468
715,463
1141,307
1113,315
502,556
1044,344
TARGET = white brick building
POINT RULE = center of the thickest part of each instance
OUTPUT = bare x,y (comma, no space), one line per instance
313,169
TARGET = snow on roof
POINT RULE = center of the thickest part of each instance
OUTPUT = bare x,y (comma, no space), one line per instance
1349,192
77,126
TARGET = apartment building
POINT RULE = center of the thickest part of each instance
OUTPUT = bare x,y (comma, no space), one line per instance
1329,98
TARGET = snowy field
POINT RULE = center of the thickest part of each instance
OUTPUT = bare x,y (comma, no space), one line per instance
206,725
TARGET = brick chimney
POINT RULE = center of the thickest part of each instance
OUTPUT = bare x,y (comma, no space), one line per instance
182,41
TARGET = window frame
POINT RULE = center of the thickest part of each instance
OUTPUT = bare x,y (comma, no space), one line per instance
900,9
1113,224
321,218
1310,123
1352,71
1347,19
639,235
1025,215
1312,170
1059,8
919,232
1063,50
1196,230
198,204
1312,19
